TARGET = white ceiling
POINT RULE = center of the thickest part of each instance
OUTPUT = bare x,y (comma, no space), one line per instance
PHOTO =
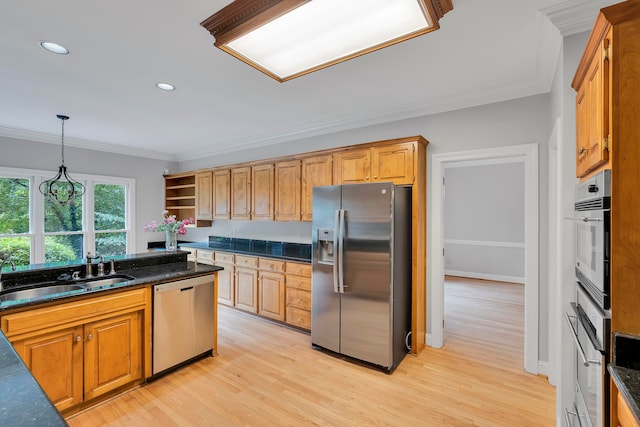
485,51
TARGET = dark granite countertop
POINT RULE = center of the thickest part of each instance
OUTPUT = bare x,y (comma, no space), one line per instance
625,370
147,268
299,252
22,401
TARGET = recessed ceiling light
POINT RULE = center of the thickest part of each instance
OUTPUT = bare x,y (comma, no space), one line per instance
55,48
165,86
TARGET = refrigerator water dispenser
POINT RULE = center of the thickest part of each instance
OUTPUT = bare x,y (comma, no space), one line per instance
325,245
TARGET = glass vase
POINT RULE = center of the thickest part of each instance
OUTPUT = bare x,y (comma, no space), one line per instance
171,240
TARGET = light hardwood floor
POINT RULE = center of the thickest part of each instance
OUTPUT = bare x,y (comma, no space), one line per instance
267,375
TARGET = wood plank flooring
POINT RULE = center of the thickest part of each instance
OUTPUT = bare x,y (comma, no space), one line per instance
267,375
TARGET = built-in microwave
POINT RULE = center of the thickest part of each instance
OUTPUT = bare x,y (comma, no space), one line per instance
592,236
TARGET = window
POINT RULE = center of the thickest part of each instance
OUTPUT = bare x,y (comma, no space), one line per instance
35,230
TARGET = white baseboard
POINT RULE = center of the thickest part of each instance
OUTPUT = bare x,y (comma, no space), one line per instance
483,276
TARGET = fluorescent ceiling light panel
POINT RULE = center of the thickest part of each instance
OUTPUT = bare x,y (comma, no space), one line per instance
319,33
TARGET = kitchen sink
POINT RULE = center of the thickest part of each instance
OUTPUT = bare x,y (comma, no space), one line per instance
104,282
39,292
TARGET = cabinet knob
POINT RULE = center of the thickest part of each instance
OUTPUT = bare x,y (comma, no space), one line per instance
582,150
375,177
89,337
367,178
78,338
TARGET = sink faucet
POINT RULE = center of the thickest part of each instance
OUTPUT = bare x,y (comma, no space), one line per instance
13,268
101,266
90,259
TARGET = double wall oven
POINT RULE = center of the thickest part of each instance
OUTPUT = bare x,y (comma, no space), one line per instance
589,317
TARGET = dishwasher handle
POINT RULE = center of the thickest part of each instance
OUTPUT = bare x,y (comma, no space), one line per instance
187,288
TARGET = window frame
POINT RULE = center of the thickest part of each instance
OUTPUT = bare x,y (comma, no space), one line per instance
36,232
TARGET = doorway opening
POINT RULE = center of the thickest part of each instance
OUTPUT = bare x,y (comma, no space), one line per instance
528,155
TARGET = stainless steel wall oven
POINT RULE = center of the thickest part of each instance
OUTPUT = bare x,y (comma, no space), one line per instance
589,318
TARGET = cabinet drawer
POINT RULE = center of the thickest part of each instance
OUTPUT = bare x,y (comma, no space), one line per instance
299,282
41,319
299,269
246,261
224,257
298,298
204,256
298,317
267,264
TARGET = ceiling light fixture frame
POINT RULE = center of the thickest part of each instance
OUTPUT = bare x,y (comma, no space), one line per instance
242,17
62,189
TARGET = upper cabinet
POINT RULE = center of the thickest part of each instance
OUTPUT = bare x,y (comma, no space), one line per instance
241,193
180,195
287,191
352,166
593,84
317,171
390,163
262,186
204,209
222,194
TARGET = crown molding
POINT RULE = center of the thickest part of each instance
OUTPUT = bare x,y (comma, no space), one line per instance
84,144
574,16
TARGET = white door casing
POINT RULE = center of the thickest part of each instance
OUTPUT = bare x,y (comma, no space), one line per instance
527,153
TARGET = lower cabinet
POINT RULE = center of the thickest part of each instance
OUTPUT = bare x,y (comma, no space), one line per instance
271,289
78,351
246,287
226,278
298,290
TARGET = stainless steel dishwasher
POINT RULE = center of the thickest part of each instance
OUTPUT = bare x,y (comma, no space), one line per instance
182,321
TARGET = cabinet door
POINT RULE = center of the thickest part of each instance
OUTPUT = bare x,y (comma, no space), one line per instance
352,167
55,360
226,284
271,295
222,194
582,132
112,353
262,192
393,163
592,114
247,289
241,193
316,172
204,209
287,191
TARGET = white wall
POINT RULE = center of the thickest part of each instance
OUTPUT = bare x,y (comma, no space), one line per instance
147,173
484,221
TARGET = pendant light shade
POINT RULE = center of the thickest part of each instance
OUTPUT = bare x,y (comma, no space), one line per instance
62,189
286,39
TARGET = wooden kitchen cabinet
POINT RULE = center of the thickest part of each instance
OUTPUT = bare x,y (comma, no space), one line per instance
180,195
241,193
226,278
222,194
112,353
287,191
271,288
204,206
80,350
262,188
298,294
389,163
246,286
592,109
317,171
55,361
352,166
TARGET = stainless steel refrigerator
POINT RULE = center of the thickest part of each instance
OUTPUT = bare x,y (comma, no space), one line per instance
361,272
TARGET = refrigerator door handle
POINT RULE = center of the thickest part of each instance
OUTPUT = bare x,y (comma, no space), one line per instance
336,245
341,253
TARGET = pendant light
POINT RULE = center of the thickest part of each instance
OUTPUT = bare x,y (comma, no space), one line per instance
62,189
